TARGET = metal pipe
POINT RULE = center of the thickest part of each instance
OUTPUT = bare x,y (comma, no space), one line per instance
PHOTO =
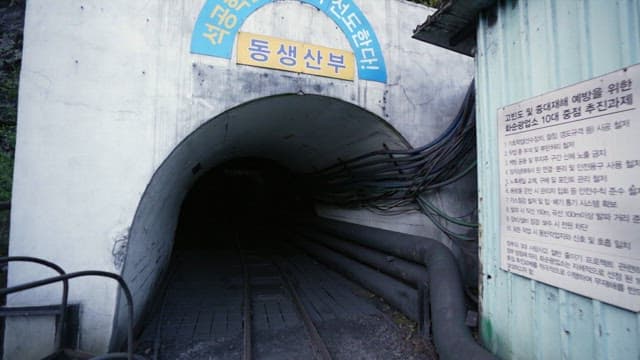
51,280
65,290
452,337
407,271
398,294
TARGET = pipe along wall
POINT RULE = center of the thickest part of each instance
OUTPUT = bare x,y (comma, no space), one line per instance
366,254
392,265
396,266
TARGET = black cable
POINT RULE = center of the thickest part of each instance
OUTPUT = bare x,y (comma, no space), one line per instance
390,181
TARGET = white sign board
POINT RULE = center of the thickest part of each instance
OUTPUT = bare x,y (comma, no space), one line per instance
570,188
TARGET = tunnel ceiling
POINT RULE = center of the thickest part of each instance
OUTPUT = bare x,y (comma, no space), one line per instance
301,132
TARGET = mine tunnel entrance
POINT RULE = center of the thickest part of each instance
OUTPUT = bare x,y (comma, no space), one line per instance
235,247
223,262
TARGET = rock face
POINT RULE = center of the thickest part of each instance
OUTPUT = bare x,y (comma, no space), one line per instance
11,29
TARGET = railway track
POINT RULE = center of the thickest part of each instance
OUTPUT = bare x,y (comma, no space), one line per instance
266,301
285,281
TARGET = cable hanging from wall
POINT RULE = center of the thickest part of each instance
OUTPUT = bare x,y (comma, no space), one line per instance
393,182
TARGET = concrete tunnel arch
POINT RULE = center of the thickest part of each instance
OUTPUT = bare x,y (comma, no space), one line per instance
87,154
300,132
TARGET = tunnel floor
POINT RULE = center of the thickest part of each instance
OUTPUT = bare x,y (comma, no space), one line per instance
201,313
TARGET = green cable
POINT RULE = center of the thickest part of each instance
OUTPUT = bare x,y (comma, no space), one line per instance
446,216
453,179
447,231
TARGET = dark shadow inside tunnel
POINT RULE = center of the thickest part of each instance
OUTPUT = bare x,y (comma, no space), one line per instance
300,132
240,198
232,250
216,218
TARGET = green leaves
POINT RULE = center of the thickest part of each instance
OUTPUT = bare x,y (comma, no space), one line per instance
430,3
11,31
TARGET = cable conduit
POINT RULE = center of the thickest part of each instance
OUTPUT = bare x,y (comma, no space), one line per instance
452,337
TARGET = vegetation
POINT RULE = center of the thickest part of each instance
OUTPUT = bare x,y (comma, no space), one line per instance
430,3
11,24
8,115
11,14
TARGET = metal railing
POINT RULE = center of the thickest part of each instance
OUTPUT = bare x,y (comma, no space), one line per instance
64,278
65,294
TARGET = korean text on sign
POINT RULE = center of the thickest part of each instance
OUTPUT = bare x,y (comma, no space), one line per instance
569,171
223,19
219,21
347,16
273,53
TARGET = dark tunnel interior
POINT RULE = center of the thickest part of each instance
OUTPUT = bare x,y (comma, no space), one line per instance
232,249
244,196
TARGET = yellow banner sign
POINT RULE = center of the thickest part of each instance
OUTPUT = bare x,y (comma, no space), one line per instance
273,53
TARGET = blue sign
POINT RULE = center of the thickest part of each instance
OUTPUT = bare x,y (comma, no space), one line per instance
220,20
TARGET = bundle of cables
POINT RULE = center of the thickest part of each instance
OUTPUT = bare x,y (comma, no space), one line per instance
398,181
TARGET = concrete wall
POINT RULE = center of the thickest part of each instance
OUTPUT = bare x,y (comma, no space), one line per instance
109,90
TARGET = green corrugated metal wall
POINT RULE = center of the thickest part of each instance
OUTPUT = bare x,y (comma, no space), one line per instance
526,48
